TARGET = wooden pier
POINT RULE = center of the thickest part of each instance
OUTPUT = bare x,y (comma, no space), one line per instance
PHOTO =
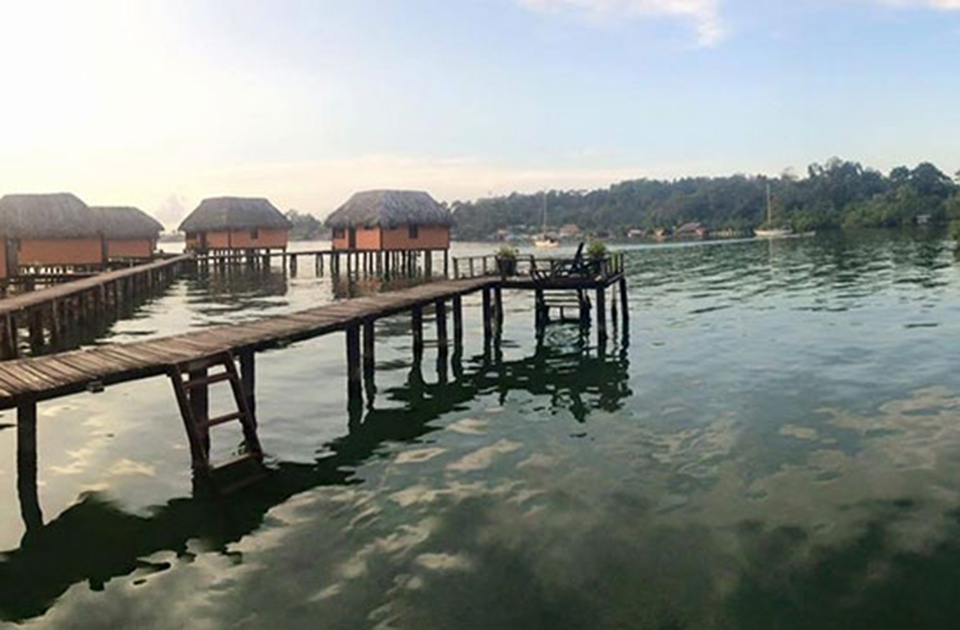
49,314
347,263
197,360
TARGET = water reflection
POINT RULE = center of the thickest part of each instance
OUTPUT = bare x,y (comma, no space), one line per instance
96,540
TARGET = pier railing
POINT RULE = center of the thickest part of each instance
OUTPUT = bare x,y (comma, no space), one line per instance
534,267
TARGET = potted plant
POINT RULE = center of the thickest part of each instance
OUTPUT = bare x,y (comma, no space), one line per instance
507,260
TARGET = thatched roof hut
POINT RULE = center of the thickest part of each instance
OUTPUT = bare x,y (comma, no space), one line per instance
221,214
118,222
389,209
49,216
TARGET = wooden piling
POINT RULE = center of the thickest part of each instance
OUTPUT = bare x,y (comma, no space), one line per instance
200,405
498,306
416,323
248,380
601,316
354,383
369,343
457,323
487,316
440,306
624,312
27,465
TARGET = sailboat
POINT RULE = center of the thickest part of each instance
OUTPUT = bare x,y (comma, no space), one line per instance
768,230
543,240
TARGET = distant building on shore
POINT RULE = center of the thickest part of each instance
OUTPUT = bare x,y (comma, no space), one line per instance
128,233
693,229
570,231
232,223
48,230
390,220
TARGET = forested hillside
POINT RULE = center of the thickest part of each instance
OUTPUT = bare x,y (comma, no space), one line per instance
836,194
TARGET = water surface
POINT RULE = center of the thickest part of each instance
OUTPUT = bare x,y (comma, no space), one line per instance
777,445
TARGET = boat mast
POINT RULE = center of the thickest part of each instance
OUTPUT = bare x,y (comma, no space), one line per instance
769,206
543,230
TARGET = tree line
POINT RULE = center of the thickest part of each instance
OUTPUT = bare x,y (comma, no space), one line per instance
837,194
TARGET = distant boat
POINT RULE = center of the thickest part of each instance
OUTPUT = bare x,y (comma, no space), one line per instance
544,240
768,230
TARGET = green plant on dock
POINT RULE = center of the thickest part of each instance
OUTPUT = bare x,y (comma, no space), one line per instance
507,260
596,250
507,252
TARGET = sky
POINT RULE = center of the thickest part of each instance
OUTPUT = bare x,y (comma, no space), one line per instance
160,103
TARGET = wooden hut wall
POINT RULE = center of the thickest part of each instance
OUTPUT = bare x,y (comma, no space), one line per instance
427,237
60,251
131,247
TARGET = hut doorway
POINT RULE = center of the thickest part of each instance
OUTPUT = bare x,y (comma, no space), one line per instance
352,238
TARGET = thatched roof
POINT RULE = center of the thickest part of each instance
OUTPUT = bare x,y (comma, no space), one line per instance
125,222
389,209
60,215
234,213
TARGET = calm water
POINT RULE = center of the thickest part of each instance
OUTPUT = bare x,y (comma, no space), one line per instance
777,446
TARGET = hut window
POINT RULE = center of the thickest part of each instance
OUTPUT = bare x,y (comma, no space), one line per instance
255,234
414,231
337,232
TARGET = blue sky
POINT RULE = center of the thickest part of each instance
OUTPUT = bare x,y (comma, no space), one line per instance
160,103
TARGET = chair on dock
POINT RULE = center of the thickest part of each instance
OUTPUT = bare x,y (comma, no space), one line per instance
577,266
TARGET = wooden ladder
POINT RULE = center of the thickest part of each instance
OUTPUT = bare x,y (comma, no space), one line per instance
192,401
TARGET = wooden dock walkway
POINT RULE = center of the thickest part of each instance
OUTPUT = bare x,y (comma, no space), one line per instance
191,360
50,312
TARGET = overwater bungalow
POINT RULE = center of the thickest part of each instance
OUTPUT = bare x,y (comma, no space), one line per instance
48,230
391,220
128,233
235,223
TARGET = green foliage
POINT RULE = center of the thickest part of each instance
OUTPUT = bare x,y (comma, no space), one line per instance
596,250
835,194
506,252
305,227
955,230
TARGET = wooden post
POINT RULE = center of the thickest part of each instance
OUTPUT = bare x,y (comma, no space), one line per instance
498,305
354,384
200,406
428,263
27,465
601,316
624,313
369,343
416,323
446,263
456,269
248,380
35,319
442,341
11,348
539,306
457,323
293,265
487,316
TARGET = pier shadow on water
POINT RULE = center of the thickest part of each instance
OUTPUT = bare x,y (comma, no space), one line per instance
95,540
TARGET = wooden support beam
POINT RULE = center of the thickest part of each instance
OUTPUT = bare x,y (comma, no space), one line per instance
601,316
457,323
369,343
354,383
446,263
624,308
416,323
27,466
200,406
498,305
248,380
487,315
443,343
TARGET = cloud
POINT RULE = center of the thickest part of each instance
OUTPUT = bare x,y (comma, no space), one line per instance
705,14
940,5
